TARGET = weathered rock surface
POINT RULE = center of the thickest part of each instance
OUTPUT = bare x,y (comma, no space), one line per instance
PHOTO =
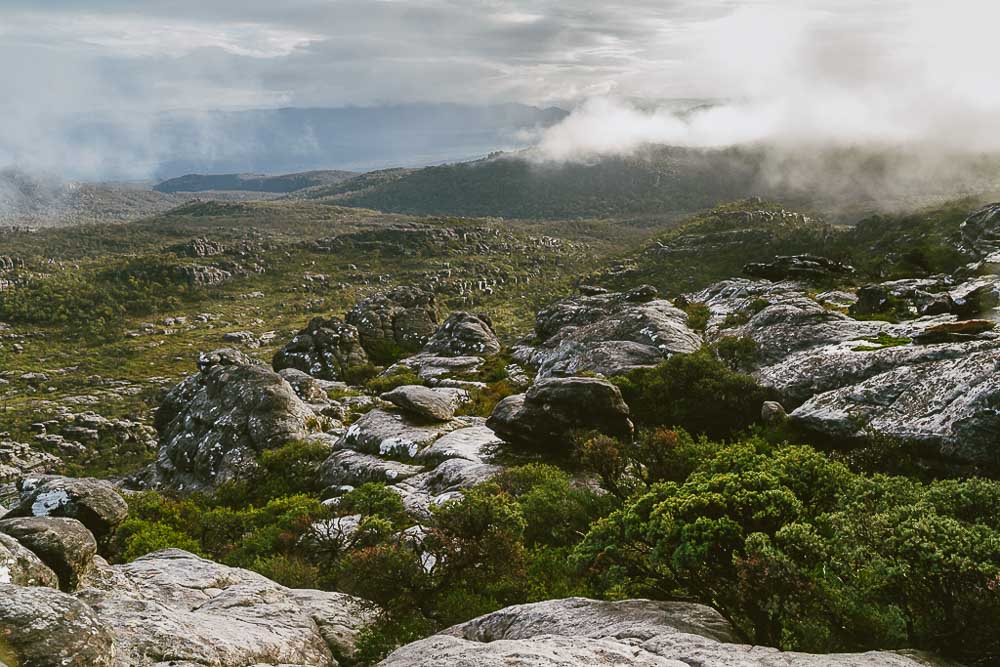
41,627
464,334
981,231
173,606
20,566
631,633
437,404
553,407
213,424
64,545
798,267
92,502
326,349
847,378
393,432
404,317
608,334
18,460
306,387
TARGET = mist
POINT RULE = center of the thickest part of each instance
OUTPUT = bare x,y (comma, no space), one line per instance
825,97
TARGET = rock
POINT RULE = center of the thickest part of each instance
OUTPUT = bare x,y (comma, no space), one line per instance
436,370
403,318
981,231
18,460
464,334
199,248
630,633
798,267
976,297
62,544
948,407
173,606
213,425
475,443
326,349
202,276
904,298
245,338
94,503
393,433
772,412
554,407
426,403
348,467
306,387
849,380
41,627
20,566
608,334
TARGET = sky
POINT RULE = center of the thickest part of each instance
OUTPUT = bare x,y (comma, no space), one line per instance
840,70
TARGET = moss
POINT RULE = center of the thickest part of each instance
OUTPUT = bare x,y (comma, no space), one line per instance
881,342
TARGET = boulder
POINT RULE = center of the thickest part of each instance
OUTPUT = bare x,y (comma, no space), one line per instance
42,627
552,408
403,318
213,425
464,334
348,467
981,231
20,566
94,503
929,381
173,607
475,443
306,387
798,267
630,633
395,433
64,545
17,460
608,334
426,403
326,349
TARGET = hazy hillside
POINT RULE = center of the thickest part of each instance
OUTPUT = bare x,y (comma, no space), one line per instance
844,184
252,182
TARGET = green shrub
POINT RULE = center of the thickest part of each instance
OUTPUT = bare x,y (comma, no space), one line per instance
399,377
696,392
138,537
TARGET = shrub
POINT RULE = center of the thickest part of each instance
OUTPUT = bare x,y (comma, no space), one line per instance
696,392
399,377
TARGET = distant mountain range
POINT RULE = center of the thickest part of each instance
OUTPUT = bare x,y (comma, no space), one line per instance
274,141
252,182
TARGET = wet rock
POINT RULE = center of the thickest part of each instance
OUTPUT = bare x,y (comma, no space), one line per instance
553,407
64,545
608,334
427,403
94,503
403,318
42,627
213,425
463,334
326,349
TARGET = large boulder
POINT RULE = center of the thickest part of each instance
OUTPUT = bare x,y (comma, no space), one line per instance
554,407
42,627
402,319
464,334
326,349
981,231
426,403
173,607
19,565
609,334
929,381
213,425
94,503
64,545
630,633
396,433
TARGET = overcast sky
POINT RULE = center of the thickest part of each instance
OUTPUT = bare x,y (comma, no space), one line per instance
157,54
843,70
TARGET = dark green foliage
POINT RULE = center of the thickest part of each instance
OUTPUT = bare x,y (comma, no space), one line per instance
801,553
739,353
696,392
698,315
